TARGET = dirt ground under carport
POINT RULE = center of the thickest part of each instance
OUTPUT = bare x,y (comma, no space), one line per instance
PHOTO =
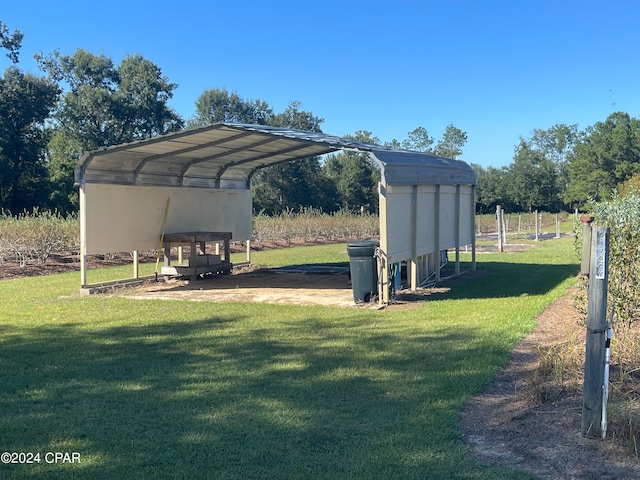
330,286
260,286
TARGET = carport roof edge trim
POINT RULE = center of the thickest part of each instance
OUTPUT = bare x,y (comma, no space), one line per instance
249,148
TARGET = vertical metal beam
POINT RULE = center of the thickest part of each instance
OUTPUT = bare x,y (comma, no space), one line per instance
248,245
499,227
383,289
414,239
457,229
136,265
83,236
473,227
437,233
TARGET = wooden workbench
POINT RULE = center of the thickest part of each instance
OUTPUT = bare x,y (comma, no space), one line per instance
200,263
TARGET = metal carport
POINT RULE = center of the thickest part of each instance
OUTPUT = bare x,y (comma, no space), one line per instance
427,203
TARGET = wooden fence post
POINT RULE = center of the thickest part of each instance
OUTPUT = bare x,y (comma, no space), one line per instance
585,258
594,365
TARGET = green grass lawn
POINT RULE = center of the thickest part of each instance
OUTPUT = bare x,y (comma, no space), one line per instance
195,390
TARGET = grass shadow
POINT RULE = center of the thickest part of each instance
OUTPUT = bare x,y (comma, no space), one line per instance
225,397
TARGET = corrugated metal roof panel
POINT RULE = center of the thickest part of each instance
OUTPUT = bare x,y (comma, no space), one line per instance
229,154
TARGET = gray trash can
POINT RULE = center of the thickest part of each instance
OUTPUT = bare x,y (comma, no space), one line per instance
363,267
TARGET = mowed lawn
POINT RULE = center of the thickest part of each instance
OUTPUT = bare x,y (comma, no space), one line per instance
200,390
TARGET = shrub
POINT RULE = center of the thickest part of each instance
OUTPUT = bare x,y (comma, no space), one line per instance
622,216
309,225
36,235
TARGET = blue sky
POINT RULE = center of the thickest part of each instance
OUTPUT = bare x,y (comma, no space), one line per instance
495,69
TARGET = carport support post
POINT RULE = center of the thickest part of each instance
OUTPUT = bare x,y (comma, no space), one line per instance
82,198
136,266
594,365
383,289
437,234
414,239
457,230
499,227
473,227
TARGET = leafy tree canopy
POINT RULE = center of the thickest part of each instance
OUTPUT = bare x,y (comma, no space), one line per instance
104,104
11,42
294,185
26,102
531,180
107,104
452,142
418,140
218,105
606,154
355,176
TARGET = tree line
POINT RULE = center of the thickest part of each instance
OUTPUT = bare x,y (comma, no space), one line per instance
84,102
563,168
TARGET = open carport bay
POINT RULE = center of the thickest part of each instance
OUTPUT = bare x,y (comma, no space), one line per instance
309,286
294,285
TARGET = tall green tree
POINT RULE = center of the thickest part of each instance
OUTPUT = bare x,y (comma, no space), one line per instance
452,142
418,140
26,102
298,184
355,176
532,180
557,142
218,105
11,42
104,104
606,154
491,189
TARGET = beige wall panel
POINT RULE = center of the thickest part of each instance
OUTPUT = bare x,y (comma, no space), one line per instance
426,241
467,212
447,216
398,219
124,218
398,201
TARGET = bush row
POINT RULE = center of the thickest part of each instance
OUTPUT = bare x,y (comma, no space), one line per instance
309,225
35,235
621,215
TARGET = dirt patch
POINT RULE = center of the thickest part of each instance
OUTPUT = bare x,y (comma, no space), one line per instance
506,426
330,286
261,286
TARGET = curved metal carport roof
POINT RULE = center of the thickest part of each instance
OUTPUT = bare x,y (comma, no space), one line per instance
227,155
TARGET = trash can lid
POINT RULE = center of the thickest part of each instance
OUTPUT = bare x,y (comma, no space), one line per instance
364,248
